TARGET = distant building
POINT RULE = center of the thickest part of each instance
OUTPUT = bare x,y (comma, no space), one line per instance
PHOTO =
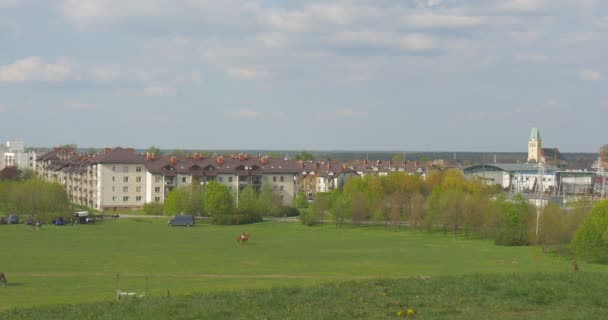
537,153
517,177
12,153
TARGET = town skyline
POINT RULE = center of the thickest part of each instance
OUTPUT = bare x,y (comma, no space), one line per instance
420,75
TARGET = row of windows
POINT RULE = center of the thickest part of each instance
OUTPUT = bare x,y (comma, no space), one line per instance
126,189
126,169
126,199
126,179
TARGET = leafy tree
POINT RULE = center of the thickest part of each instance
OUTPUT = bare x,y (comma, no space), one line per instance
514,225
218,199
154,150
187,199
398,158
316,211
10,173
591,239
268,200
248,200
274,155
302,201
340,207
303,155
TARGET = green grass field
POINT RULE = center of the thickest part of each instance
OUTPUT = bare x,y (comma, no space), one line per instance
79,264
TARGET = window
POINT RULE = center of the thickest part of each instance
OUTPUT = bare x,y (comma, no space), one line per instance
125,169
138,179
113,178
282,179
281,188
220,179
156,199
113,168
157,189
125,189
113,188
274,179
229,179
125,179
138,188
138,198
137,169
113,198
157,179
183,179
125,198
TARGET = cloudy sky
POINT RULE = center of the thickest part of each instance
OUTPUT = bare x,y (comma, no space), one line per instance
419,75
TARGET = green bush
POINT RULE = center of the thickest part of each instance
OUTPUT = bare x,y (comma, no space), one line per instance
153,208
284,211
235,217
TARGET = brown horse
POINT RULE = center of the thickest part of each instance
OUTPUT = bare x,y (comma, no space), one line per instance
3,279
243,237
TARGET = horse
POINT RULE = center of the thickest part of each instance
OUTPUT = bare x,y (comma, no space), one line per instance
243,237
3,281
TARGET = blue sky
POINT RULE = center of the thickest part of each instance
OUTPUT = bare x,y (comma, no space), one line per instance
419,75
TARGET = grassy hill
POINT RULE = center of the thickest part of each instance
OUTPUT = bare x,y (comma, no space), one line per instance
527,296
87,263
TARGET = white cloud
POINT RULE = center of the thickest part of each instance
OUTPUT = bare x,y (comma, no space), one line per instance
589,75
248,72
78,106
160,90
247,113
33,69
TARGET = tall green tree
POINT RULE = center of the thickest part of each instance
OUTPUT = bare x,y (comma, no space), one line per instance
590,242
218,199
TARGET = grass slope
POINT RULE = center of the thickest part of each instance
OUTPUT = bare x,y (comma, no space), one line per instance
79,264
527,296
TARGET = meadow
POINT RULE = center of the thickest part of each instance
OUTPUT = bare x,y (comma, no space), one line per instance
87,263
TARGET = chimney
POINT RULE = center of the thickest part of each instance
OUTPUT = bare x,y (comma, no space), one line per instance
173,160
264,160
220,160
301,162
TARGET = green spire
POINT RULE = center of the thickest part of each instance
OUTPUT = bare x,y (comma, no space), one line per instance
535,134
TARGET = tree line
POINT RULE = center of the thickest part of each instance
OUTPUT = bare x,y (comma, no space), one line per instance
447,202
220,203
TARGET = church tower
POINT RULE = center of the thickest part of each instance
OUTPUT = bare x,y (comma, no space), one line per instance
534,146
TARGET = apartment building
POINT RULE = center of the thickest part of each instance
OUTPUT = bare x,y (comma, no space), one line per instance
120,178
12,153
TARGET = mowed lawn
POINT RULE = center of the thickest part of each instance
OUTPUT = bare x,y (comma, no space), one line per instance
76,264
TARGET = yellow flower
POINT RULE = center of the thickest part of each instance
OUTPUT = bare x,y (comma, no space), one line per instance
410,312
400,313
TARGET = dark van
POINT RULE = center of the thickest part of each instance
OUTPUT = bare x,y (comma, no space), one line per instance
182,220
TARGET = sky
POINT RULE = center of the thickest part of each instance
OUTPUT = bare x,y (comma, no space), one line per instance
411,75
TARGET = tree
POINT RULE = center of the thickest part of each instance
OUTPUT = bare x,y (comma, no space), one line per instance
248,200
274,155
316,211
590,242
514,226
154,150
187,199
398,158
340,207
10,173
218,199
301,201
303,155
268,200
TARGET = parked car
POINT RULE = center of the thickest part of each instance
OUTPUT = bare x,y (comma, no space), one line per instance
12,219
182,220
